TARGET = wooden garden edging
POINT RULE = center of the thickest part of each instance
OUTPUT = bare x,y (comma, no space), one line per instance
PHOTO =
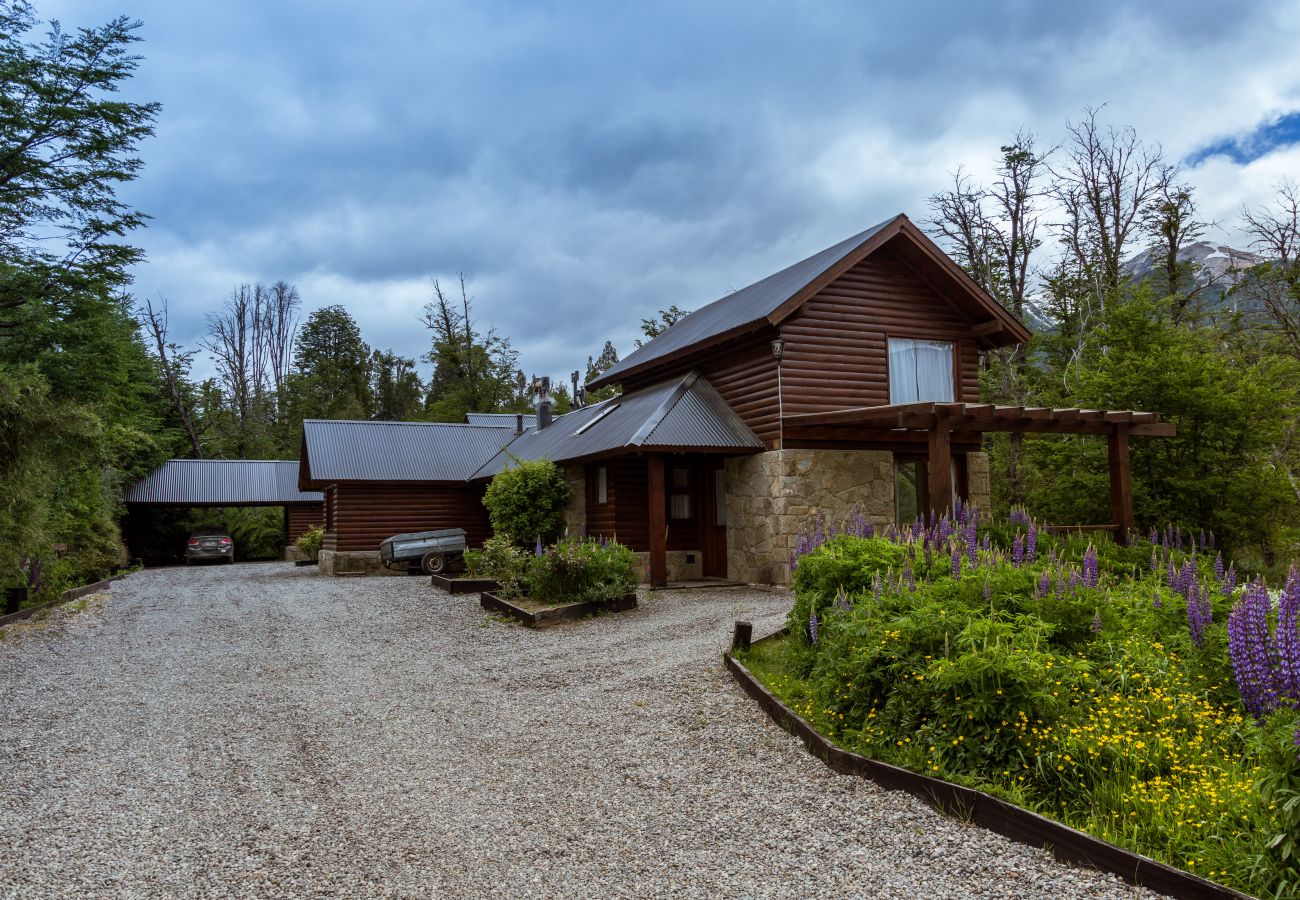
555,614
462,585
65,597
1066,844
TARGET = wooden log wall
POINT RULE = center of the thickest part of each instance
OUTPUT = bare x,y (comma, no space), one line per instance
836,353
626,515
303,517
364,515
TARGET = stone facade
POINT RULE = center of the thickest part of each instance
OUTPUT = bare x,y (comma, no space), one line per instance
575,512
353,562
773,497
683,565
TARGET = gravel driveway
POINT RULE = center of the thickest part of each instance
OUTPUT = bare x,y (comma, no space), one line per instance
260,730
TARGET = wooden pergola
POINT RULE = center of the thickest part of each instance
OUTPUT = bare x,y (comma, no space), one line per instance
939,421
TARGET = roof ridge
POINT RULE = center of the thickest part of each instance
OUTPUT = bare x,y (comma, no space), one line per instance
652,422
400,422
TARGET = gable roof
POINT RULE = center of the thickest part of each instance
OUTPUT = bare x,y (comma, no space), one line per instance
343,450
679,413
221,482
774,298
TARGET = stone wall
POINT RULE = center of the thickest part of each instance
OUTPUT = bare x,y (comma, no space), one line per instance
773,497
575,512
683,565
353,562
979,490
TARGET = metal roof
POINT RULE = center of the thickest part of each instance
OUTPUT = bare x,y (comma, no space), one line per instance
499,419
682,412
221,482
747,306
341,450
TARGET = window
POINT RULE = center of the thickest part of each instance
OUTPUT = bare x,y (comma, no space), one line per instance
602,484
679,500
909,484
920,370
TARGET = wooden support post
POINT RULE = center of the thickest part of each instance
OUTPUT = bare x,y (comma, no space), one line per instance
940,465
741,637
658,522
1121,483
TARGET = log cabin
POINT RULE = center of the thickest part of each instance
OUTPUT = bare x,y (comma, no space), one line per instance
846,384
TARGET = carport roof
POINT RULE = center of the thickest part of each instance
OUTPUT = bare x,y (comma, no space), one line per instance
221,482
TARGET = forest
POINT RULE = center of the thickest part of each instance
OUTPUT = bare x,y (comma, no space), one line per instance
94,392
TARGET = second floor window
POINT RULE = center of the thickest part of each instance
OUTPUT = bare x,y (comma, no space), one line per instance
920,371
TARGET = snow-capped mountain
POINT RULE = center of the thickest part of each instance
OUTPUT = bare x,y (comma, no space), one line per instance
1218,266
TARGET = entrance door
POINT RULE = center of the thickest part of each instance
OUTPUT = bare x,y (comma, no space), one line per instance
713,521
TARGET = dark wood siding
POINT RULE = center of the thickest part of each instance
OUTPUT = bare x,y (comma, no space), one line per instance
365,514
835,352
626,517
303,517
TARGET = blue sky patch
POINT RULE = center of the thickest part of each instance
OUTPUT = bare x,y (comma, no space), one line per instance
1246,148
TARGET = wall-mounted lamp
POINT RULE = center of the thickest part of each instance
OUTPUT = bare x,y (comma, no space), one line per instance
778,348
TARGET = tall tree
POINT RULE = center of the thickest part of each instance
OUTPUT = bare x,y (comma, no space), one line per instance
608,356
1275,285
1106,186
398,392
282,309
237,340
1172,224
174,365
473,370
332,361
657,325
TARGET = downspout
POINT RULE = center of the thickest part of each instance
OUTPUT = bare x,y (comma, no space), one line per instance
778,351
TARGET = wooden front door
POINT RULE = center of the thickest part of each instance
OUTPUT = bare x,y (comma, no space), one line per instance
713,521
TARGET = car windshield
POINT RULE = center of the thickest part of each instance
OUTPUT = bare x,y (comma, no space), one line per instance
207,532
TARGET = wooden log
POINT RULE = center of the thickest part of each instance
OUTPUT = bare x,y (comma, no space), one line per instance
1121,483
940,465
658,520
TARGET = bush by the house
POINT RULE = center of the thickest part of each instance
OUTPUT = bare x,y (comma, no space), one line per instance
310,541
1140,694
526,501
571,571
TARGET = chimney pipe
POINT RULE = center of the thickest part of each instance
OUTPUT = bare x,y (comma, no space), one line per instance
519,423
542,388
577,395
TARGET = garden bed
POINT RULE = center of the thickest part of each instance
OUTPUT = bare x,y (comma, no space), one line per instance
1065,843
536,614
65,597
462,584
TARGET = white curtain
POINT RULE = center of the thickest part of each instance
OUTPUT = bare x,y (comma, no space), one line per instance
920,370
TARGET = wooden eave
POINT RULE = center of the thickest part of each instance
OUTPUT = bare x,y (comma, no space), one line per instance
977,417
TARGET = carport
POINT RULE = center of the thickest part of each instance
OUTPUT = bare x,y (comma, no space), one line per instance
197,483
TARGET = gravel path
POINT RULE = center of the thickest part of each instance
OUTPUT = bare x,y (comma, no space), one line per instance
260,730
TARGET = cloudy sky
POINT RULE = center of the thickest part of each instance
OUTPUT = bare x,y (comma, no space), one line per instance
585,164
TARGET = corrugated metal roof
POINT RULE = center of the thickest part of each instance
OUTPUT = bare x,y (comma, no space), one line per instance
221,482
337,450
501,420
680,412
744,307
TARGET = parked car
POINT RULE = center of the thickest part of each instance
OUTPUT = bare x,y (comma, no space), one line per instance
209,544
433,552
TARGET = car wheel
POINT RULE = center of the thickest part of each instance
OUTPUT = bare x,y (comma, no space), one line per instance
433,564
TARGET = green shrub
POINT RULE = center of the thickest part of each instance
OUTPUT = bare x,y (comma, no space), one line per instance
500,560
578,571
844,565
310,541
526,501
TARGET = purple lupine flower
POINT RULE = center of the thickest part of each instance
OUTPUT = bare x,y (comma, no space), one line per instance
988,591
1044,585
1075,581
1211,539
1199,613
956,559
908,577
1218,567
876,587
1187,577
1250,650
1096,622
842,602
972,544
1091,568
1295,739
1155,562
1155,599
1171,576
1203,545
1031,543
1230,580
537,551
1286,638
812,628
987,544
1018,516
1178,537
1154,536
1017,551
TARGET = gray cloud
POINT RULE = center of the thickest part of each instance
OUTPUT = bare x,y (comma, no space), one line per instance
586,164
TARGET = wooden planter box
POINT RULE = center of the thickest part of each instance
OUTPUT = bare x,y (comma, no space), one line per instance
535,614
462,585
